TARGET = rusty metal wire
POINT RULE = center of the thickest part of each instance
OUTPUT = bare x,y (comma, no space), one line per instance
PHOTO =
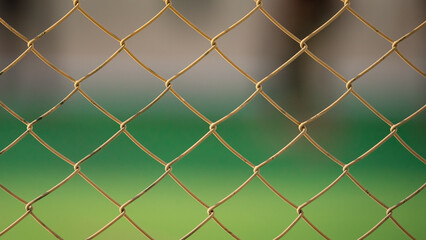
257,84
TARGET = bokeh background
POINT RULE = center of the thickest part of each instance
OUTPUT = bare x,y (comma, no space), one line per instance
76,210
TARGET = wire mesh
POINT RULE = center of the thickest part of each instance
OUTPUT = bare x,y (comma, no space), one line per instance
302,126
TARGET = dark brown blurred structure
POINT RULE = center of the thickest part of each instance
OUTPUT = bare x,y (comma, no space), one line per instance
301,17
28,18
13,12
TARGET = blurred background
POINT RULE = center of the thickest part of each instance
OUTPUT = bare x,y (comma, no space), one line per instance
214,88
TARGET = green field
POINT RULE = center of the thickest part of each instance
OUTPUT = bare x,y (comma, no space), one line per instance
77,210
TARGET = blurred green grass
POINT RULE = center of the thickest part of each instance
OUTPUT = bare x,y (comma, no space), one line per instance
77,210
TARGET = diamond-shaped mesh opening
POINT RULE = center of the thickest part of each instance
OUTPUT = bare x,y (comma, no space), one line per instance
336,130
56,209
198,171
202,87
302,166
302,18
332,214
346,37
42,166
122,18
261,56
205,17
86,133
304,88
168,45
107,86
256,207
157,131
82,55
122,158
257,136
396,79
388,17
25,88
401,172
156,202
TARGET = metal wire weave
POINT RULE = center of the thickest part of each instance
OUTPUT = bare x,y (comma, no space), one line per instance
257,84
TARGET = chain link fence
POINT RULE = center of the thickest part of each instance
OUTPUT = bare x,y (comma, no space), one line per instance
301,125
